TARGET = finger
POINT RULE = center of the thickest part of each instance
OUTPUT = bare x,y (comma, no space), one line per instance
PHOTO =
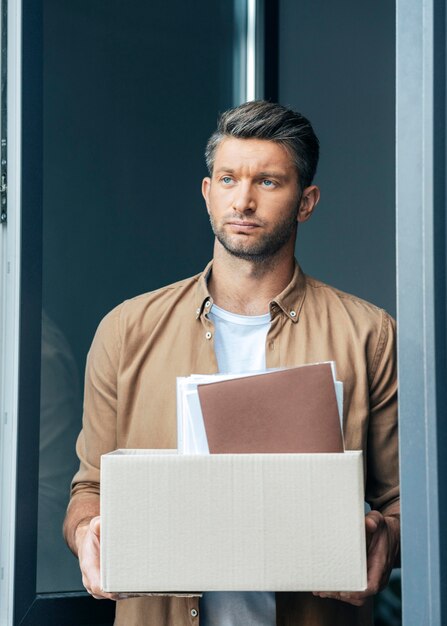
377,569
104,596
95,526
96,591
379,566
373,521
374,525
356,599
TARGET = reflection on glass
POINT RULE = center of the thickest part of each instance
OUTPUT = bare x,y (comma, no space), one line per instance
60,405
131,92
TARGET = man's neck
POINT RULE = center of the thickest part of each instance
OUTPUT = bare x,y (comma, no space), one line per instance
247,287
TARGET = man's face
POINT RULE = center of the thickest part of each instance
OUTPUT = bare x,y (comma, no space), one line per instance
253,197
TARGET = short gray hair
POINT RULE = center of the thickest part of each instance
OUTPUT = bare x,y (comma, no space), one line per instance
267,120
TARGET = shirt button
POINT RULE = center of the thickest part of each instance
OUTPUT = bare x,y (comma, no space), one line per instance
194,612
292,313
207,304
208,335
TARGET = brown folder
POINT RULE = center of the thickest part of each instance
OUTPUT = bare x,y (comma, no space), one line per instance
291,410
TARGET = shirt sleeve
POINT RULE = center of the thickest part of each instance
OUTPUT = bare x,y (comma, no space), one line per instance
382,484
98,434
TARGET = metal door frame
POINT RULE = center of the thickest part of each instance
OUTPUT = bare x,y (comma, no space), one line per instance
421,299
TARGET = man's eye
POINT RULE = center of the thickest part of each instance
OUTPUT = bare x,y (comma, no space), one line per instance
226,180
268,183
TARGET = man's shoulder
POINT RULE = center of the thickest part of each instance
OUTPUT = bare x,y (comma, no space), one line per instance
338,300
164,295
152,304
352,322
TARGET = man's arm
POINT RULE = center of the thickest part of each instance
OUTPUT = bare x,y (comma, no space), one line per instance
79,514
383,542
98,436
382,524
82,531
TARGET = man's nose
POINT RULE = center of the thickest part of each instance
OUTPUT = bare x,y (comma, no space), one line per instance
244,198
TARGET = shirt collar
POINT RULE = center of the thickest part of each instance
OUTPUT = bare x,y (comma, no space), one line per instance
290,300
203,297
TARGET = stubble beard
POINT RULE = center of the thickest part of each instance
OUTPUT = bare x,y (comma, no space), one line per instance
264,248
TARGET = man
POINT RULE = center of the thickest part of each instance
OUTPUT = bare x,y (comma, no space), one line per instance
251,308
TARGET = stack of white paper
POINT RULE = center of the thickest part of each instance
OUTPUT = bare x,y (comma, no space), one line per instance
191,434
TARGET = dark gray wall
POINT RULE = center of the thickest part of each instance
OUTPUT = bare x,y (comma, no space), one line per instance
131,93
337,66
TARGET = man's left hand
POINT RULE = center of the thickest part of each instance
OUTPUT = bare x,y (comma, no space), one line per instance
382,539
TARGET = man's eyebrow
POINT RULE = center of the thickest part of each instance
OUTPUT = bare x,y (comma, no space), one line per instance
230,170
279,175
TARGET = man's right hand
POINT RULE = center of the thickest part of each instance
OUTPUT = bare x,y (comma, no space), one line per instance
88,536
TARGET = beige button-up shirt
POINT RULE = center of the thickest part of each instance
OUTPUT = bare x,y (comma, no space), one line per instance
130,401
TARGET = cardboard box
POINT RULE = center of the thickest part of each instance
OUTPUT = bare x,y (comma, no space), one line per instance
232,522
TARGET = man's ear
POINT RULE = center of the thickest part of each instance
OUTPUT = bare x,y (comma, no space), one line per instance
206,185
309,200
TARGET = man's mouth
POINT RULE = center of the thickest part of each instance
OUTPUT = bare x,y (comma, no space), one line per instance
243,225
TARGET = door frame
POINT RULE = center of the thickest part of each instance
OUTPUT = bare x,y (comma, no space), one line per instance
421,304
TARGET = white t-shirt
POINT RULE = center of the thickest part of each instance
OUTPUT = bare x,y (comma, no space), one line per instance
239,340
239,343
